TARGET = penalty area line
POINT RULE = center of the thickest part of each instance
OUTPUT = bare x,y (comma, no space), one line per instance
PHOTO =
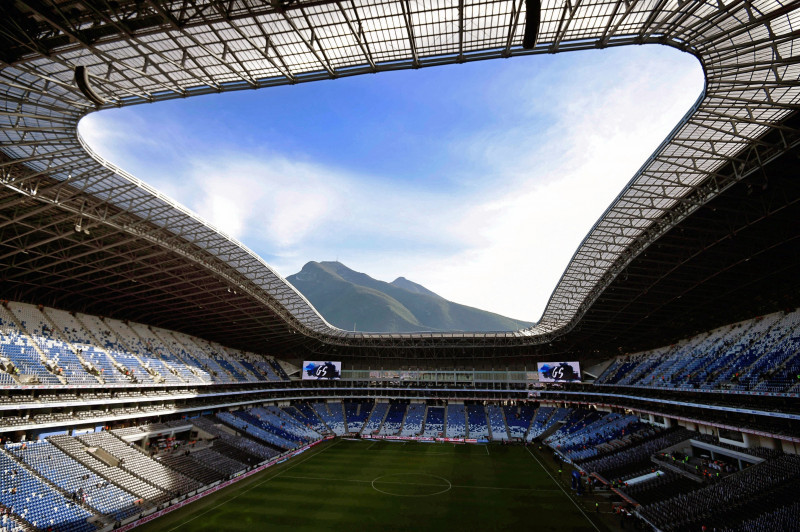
562,488
252,487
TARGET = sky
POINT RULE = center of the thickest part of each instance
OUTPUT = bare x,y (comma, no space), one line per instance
478,181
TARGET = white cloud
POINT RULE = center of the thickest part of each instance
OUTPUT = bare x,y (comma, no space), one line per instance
560,145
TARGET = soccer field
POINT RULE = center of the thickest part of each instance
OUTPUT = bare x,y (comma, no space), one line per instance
363,485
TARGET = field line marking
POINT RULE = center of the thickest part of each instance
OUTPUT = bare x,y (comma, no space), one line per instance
416,484
562,488
487,450
253,486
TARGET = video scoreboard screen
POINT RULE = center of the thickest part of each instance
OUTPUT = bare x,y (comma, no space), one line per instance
559,372
317,371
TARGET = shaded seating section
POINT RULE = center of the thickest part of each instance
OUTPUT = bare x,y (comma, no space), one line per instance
476,422
302,412
576,421
268,370
119,476
415,415
280,426
276,366
667,484
456,421
219,461
497,422
356,414
545,418
292,425
595,429
259,374
518,419
141,465
51,347
761,354
394,419
636,456
375,419
332,414
434,422
253,427
74,478
189,465
782,518
38,503
226,442
753,487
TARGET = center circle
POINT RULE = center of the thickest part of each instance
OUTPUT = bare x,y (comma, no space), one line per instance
411,485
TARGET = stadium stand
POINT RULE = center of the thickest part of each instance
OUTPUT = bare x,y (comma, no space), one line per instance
375,420
49,347
545,419
74,479
759,355
139,464
394,419
37,502
415,416
434,422
518,419
497,423
456,421
333,416
356,413
709,505
476,422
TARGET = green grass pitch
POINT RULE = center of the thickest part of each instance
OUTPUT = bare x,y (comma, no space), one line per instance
364,485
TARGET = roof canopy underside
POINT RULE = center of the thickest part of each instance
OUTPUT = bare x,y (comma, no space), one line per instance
76,232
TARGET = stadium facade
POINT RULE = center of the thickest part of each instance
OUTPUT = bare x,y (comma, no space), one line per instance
700,247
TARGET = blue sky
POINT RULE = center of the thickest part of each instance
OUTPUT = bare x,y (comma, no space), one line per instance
478,180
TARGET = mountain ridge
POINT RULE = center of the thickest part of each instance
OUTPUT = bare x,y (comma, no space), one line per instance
353,300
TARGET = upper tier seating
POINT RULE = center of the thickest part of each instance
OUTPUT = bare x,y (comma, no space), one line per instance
760,355
19,348
53,347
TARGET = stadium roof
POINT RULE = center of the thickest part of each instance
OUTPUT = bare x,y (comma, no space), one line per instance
79,233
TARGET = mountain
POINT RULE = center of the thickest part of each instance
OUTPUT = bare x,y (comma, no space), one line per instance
353,300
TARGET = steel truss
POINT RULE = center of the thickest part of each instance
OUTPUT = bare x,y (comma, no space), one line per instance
138,52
